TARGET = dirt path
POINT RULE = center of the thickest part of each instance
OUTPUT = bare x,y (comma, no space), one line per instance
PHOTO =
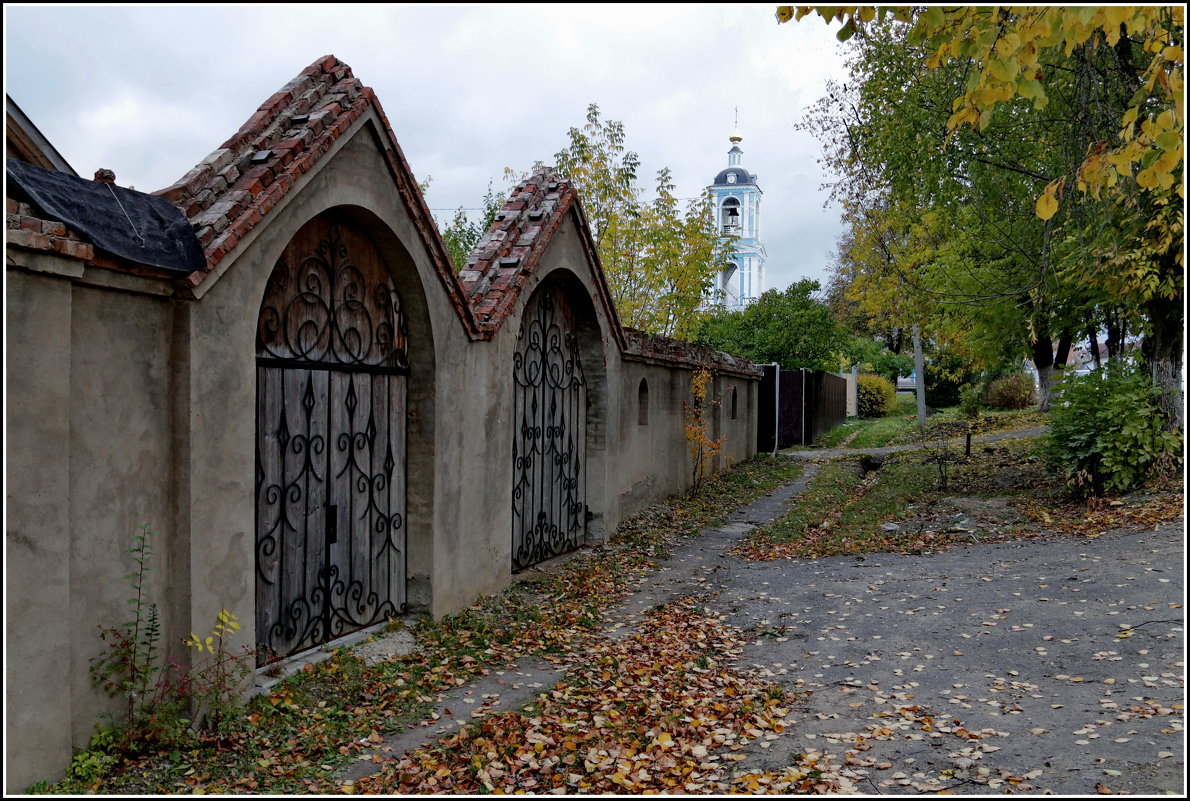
1045,666
1033,667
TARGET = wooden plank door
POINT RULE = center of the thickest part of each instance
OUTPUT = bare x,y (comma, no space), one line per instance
330,443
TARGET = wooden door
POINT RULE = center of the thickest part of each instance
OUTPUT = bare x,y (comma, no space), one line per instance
330,443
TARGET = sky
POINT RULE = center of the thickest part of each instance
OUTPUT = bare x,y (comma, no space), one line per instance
469,90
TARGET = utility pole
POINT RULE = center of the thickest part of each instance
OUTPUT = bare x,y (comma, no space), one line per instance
919,371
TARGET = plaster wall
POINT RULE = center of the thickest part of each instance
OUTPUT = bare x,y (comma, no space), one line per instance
89,453
120,456
133,407
37,532
652,458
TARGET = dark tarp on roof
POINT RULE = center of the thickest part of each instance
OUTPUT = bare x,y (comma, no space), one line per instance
112,216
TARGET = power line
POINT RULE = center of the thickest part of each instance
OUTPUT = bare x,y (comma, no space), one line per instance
468,208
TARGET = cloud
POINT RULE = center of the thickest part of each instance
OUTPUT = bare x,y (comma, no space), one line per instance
150,91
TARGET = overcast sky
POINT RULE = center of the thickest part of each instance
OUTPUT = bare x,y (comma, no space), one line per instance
469,90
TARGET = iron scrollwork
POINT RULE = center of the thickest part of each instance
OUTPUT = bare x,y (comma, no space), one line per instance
548,500
328,310
330,461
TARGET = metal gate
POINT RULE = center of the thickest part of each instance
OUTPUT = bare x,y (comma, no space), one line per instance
331,373
550,407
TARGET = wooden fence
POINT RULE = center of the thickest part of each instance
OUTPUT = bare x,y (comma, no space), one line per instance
798,406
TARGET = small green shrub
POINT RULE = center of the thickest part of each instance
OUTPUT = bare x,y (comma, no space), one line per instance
1012,392
1107,431
970,401
159,693
90,766
875,396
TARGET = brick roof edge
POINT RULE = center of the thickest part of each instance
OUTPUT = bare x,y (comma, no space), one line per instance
495,274
233,189
657,348
26,228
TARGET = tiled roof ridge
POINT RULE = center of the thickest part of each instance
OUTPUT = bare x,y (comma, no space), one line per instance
496,271
656,347
228,194
231,190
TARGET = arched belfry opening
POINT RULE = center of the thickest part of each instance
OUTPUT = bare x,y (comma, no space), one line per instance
332,368
559,402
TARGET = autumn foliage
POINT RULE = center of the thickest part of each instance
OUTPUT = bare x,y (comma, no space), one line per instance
661,711
875,396
702,448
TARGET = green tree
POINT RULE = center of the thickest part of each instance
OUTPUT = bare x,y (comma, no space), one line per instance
1024,106
462,233
871,356
659,257
789,327
943,217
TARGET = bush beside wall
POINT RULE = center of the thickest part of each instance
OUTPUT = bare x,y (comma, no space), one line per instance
875,396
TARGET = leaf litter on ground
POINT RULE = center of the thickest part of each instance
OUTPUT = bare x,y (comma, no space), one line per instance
300,735
664,710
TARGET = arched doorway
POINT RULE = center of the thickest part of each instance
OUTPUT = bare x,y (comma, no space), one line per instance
332,374
549,434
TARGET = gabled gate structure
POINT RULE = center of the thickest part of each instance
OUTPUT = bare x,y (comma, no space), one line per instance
278,370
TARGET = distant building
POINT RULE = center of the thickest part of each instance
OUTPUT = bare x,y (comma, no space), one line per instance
737,208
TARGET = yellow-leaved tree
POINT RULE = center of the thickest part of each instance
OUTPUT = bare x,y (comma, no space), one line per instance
1008,44
1117,247
659,259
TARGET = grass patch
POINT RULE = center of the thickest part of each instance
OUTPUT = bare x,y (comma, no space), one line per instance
842,511
857,504
986,423
737,486
836,436
883,431
900,427
298,737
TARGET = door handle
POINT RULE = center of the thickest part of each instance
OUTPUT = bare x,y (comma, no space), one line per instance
332,523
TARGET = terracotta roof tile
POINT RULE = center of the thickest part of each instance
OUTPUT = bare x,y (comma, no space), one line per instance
234,188
229,184
513,245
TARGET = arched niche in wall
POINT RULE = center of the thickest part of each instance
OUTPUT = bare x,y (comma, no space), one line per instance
642,403
344,355
559,414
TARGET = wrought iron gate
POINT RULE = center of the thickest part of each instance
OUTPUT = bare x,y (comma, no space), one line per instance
548,492
330,443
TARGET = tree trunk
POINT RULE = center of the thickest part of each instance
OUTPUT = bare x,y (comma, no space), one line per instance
1162,349
1062,354
1043,360
1114,339
1093,337
919,380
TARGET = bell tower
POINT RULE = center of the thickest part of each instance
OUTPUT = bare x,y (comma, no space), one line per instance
737,198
